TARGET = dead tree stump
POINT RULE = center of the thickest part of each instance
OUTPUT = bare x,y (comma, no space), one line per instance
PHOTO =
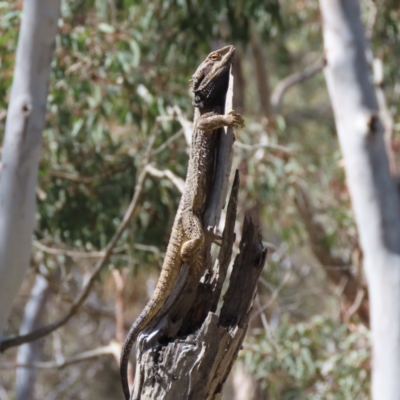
189,349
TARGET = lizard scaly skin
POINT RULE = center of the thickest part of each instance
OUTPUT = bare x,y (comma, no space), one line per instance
209,84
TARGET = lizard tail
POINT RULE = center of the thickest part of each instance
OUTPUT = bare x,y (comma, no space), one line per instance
141,322
166,282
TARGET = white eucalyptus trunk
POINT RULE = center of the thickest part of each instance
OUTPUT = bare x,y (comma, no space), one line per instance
22,145
29,353
374,195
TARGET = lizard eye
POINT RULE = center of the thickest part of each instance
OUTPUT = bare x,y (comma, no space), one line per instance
214,57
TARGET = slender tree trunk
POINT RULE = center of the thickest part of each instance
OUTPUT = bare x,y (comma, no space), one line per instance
29,353
244,385
374,194
22,145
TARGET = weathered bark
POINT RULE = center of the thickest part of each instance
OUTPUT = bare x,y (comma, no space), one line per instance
29,353
22,145
190,349
202,346
374,194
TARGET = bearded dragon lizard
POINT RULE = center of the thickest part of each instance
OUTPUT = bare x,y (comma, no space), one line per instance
209,85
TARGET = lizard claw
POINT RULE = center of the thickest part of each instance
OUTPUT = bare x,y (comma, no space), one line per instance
237,120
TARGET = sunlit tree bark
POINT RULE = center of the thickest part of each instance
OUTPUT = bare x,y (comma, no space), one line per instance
29,353
22,145
374,194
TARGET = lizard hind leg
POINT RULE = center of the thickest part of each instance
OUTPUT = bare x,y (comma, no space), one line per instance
193,230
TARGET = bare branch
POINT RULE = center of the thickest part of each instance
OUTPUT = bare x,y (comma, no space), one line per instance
356,305
336,268
253,147
84,356
149,248
273,297
58,251
186,124
176,180
284,85
170,140
87,180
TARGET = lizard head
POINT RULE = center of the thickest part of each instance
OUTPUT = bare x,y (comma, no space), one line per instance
210,81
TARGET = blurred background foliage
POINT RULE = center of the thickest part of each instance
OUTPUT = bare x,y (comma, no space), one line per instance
120,74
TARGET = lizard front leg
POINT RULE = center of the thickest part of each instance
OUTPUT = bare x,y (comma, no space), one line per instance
211,121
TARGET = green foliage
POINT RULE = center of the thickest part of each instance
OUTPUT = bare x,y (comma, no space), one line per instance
102,110
121,64
317,359
9,24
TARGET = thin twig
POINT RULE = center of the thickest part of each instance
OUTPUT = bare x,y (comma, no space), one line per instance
337,269
84,356
186,124
176,180
64,386
57,251
356,305
273,297
267,328
263,146
87,180
149,248
170,140
284,85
